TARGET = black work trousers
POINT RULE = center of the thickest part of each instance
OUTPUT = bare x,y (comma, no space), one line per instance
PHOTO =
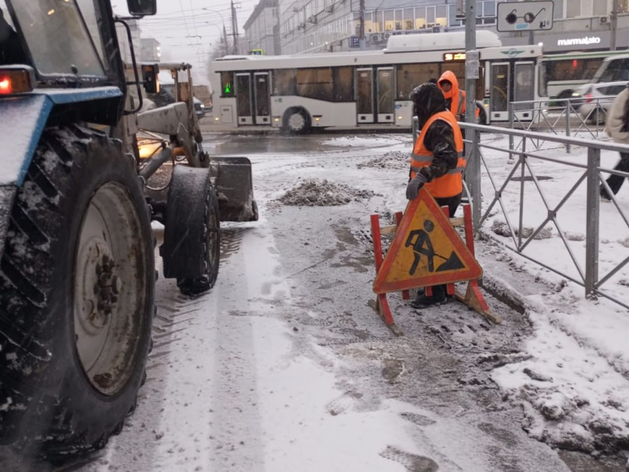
452,203
616,181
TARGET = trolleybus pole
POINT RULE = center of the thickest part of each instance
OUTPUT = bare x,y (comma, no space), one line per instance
472,63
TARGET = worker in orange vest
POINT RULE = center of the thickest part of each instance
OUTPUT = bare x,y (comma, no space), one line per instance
437,162
455,97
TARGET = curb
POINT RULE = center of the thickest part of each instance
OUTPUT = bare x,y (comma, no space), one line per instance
504,293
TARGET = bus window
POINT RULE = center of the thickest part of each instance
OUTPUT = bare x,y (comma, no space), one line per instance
590,66
315,83
284,82
410,76
458,68
227,84
343,78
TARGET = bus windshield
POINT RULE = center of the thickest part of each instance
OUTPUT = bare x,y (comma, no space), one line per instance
57,37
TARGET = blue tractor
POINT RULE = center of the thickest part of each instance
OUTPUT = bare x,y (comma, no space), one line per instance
77,268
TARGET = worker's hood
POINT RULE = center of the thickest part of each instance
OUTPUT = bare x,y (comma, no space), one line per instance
450,77
428,100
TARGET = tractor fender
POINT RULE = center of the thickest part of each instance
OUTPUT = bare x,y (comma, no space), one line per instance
186,219
22,122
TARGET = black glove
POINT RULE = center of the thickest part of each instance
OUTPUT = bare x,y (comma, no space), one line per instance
412,189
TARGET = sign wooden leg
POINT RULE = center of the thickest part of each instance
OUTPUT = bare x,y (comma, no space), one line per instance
406,295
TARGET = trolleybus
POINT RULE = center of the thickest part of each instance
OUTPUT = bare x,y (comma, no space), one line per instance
563,75
347,89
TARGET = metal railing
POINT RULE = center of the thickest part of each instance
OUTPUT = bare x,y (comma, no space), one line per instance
579,117
521,237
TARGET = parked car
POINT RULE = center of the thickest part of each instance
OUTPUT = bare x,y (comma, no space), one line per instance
598,99
199,107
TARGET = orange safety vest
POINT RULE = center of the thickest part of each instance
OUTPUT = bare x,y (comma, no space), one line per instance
450,184
459,104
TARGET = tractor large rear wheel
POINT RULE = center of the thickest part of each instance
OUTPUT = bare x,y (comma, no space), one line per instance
77,284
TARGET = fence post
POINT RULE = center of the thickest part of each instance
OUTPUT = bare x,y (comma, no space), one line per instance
510,112
415,129
592,219
568,113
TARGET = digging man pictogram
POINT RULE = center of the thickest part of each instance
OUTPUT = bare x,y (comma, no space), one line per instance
422,246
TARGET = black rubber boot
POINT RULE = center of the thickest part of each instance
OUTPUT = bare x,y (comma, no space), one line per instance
438,297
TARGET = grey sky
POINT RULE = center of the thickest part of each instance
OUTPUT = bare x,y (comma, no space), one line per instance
187,32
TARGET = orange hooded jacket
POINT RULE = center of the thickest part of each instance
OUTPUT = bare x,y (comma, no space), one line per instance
455,95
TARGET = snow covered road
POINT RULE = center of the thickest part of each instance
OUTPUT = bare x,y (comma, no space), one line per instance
283,366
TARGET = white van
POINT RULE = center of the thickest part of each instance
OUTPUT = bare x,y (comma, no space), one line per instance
613,69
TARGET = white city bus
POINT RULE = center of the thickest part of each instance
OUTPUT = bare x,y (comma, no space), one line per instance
564,74
347,89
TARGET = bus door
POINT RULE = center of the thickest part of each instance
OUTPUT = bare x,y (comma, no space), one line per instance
500,91
243,99
262,98
364,95
524,89
384,90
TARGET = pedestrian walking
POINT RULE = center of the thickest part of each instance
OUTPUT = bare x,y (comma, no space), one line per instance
617,125
437,162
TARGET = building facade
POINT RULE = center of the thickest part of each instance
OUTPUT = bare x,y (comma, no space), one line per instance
334,25
262,30
151,50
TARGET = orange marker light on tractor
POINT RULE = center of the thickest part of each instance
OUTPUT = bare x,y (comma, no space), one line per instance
16,79
5,85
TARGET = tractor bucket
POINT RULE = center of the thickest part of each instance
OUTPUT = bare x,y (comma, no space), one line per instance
234,186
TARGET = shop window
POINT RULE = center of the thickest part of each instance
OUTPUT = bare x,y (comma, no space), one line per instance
227,84
430,16
343,79
284,82
573,9
378,21
442,15
315,83
409,17
389,24
623,6
453,22
420,17
398,19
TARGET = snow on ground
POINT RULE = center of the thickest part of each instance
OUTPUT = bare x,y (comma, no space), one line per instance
574,389
259,374
574,386
364,140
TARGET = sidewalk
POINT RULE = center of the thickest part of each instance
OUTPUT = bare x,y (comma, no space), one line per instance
573,380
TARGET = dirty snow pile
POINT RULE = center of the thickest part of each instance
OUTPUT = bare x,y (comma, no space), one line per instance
389,160
316,192
572,399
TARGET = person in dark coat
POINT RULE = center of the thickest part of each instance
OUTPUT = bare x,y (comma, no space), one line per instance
617,127
437,162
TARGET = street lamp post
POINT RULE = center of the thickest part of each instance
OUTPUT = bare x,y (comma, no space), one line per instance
222,19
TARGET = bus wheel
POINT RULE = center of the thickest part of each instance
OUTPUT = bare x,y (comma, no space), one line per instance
296,121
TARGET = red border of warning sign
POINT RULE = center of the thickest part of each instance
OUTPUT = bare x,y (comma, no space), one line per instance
474,270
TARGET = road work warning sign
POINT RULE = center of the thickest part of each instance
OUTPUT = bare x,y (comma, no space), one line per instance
426,251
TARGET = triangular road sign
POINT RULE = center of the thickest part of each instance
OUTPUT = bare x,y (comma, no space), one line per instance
426,251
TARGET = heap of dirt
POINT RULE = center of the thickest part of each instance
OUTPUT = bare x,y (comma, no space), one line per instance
389,160
316,192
